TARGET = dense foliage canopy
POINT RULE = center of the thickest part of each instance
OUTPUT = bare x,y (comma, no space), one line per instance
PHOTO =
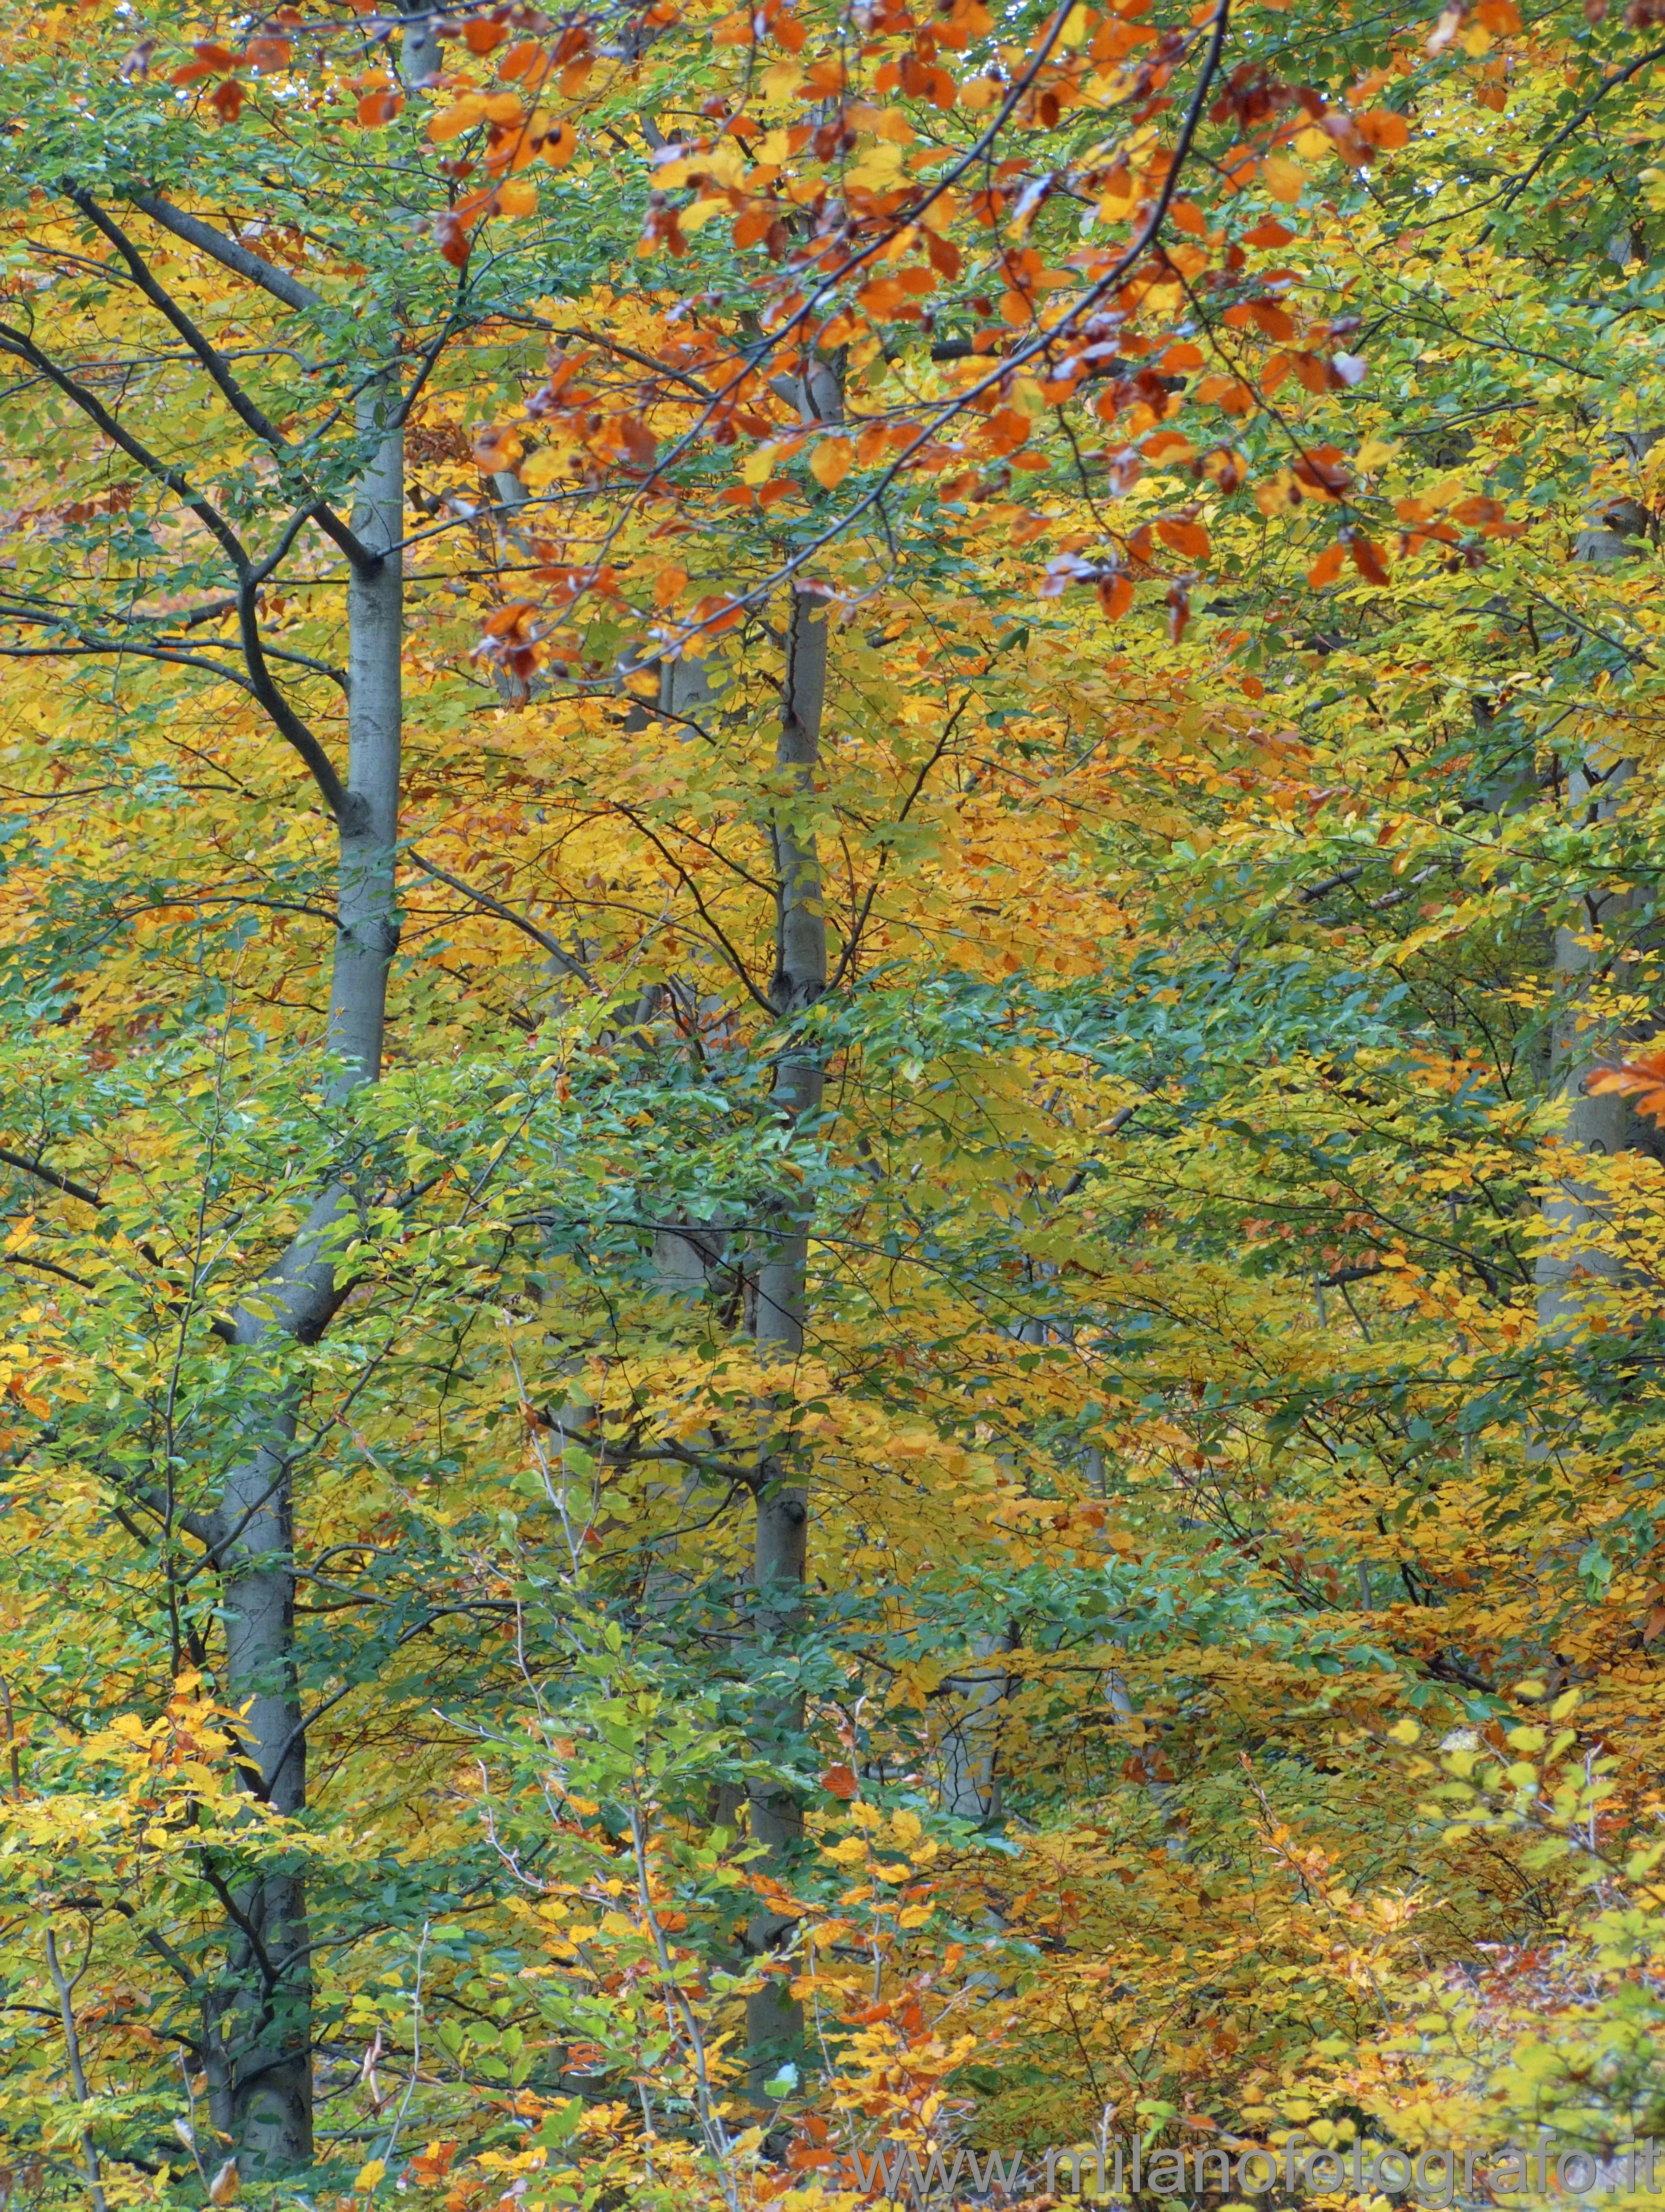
834,1235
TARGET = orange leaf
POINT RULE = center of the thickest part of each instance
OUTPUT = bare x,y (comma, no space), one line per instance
840,1782
1327,567
1188,537
503,621
831,462
1642,1078
1382,127
752,225
883,296
526,60
559,147
1367,561
451,122
481,34
1270,319
1116,596
377,107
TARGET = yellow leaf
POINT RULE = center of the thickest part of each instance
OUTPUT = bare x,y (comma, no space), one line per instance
1285,180
368,2175
831,462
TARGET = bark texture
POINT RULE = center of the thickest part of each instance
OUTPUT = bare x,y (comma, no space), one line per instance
774,2023
258,2017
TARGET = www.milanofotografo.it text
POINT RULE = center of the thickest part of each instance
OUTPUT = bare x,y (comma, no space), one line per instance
1122,2170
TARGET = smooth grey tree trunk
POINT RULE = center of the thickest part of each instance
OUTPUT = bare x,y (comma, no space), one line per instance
258,2018
968,1753
774,2019
420,56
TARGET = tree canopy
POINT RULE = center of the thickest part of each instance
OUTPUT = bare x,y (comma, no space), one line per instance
834,1205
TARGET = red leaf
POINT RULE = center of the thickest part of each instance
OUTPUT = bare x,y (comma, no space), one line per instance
1116,596
453,239
639,441
1367,561
227,100
1180,612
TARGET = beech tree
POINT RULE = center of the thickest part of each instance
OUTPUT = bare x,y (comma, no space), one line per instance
831,1206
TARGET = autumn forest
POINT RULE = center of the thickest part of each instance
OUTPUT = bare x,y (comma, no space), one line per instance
832,1099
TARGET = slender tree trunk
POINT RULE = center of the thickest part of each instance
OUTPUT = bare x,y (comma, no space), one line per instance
1604,1124
419,56
1601,1124
368,899
774,2021
259,2017
968,1751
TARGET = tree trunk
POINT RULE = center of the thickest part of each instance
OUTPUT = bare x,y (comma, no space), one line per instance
258,2018
419,56
1604,1124
969,1750
774,2019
